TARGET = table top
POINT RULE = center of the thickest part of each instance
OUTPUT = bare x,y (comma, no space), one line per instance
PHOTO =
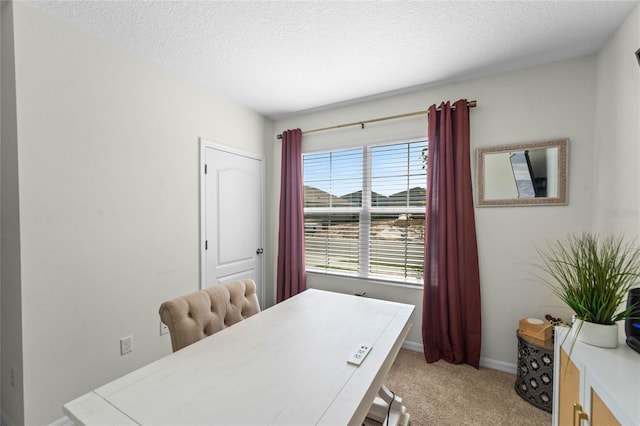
286,365
546,344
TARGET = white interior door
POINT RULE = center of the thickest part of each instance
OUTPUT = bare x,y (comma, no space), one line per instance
232,217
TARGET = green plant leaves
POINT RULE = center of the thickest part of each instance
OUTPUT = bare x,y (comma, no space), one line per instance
592,274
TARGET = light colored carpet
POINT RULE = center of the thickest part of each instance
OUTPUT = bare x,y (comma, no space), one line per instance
445,394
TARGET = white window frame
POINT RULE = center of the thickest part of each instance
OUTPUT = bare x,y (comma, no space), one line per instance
364,213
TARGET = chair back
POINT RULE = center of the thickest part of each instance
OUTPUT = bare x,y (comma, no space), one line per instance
200,314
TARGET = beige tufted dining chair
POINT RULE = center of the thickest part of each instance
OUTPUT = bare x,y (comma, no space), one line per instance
200,314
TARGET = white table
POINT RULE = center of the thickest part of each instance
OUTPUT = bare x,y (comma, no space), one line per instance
284,366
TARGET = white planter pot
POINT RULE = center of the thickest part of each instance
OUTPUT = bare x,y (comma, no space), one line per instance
601,335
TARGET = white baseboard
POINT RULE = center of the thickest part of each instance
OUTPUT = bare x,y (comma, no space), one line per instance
412,346
484,362
498,365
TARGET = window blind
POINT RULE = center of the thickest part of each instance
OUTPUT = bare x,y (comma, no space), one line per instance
364,211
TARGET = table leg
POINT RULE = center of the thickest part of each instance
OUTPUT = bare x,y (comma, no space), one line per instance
398,415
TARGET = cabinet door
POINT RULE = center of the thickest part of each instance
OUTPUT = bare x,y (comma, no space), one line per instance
569,389
600,413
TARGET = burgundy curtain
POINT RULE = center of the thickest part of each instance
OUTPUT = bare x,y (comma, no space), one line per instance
451,323
291,270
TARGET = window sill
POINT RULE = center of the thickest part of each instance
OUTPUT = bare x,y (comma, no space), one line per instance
367,280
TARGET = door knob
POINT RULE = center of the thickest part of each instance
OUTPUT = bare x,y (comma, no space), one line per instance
259,251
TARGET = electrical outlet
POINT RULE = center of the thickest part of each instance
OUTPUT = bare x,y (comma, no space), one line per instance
126,345
359,355
163,329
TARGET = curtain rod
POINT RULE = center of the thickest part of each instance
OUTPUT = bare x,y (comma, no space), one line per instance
470,104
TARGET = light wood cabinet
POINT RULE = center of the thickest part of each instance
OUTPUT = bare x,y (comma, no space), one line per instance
600,413
569,389
595,386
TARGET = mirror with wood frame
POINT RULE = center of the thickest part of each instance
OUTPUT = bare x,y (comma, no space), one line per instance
527,174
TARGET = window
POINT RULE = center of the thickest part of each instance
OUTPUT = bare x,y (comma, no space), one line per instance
364,212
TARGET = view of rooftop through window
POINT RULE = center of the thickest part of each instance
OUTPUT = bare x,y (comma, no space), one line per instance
397,175
364,211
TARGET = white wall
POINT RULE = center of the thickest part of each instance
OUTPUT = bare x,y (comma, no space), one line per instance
10,307
553,101
109,186
616,173
499,182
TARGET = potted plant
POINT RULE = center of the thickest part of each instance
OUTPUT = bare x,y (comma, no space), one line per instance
593,274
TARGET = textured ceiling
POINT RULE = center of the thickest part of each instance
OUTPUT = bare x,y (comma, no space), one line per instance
279,58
